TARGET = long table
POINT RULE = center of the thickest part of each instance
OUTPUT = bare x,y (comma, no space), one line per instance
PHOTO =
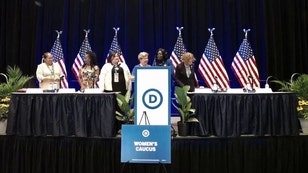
226,114
56,114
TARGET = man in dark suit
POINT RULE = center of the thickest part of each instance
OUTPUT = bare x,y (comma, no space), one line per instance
185,73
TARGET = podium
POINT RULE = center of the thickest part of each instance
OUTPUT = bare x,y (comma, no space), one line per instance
149,139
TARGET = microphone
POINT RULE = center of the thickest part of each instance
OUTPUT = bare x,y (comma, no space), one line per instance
266,82
250,88
291,79
215,87
61,79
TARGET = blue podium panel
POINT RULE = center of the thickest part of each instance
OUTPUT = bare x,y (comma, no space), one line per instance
146,144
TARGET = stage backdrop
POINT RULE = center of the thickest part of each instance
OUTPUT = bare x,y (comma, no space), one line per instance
278,33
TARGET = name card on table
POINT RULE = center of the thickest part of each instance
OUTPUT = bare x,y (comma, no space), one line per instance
203,90
34,90
257,90
235,90
67,90
93,90
264,90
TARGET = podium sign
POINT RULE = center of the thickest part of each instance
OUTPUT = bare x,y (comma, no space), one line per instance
146,144
152,96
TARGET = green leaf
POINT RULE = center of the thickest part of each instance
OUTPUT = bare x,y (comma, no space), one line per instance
125,104
185,104
15,81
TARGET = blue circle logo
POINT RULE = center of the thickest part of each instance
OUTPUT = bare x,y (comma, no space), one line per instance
145,133
152,98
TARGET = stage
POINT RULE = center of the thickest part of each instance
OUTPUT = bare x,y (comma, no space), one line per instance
52,133
266,154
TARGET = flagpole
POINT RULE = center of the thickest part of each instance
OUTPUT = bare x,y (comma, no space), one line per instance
58,37
87,32
116,31
246,32
180,30
211,31
59,33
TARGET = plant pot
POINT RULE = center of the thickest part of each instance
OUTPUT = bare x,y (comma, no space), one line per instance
3,124
304,125
183,128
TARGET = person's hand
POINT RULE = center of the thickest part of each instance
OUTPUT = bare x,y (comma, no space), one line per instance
50,79
82,89
132,78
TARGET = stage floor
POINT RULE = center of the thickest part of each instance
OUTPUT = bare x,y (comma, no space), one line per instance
242,154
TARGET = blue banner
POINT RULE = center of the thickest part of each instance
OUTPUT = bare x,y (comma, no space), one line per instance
146,144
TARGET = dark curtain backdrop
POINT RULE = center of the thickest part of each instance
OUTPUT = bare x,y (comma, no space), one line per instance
278,33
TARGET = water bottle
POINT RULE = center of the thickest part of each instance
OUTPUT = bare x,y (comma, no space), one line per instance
50,86
215,88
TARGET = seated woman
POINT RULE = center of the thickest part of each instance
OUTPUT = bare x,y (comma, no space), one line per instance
48,73
89,72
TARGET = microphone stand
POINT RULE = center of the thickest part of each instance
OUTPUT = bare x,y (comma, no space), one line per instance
60,82
93,79
266,82
215,86
251,79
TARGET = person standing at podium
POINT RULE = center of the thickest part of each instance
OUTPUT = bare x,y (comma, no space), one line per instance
161,58
48,73
88,74
114,75
143,58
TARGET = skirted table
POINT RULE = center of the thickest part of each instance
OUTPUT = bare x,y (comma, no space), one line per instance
75,114
229,114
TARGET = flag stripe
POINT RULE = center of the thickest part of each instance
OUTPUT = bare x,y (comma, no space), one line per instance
244,65
178,51
57,53
79,60
64,82
211,67
115,47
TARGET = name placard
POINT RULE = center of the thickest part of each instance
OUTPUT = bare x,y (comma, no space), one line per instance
34,90
146,144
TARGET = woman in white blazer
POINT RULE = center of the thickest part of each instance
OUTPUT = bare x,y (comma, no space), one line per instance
114,76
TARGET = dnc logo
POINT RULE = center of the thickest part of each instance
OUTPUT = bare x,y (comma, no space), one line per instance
152,98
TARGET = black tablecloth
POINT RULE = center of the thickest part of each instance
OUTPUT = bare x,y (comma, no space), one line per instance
225,114
62,115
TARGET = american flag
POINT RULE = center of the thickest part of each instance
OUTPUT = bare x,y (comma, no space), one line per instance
57,53
79,60
244,65
212,68
115,47
178,51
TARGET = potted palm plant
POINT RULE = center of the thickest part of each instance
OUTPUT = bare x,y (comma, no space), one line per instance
14,80
300,87
184,107
126,113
